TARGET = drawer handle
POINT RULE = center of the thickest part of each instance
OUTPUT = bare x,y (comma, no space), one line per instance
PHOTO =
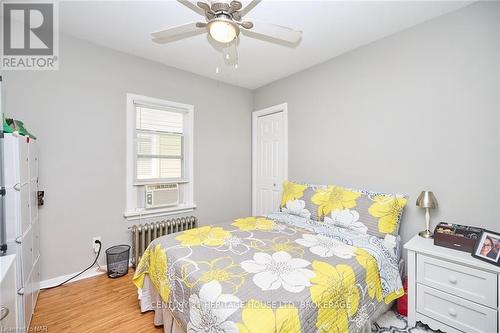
4,312
452,279
452,312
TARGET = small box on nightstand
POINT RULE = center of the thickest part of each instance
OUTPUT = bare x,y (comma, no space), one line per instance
456,236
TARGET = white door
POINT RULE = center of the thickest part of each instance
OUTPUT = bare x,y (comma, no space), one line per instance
270,158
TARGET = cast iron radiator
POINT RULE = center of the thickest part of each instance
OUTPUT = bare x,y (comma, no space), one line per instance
143,234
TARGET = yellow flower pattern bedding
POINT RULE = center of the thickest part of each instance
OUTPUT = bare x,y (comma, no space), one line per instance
374,213
276,274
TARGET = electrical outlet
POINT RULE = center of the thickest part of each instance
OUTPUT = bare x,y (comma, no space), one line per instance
95,246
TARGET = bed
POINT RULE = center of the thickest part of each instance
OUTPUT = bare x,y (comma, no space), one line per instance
279,273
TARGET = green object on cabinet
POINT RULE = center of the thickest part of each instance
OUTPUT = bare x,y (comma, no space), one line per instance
14,125
6,127
19,125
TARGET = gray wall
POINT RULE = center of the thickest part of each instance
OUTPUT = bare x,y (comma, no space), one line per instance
417,110
78,114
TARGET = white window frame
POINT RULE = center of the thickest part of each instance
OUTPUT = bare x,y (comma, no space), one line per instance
135,188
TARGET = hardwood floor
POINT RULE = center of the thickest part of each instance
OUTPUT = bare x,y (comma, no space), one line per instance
97,304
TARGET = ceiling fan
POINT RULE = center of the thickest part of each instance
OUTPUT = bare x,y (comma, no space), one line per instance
224,22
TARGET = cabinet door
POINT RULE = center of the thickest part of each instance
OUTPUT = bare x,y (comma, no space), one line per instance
36,239
33,159
23,160
28,301
17,211
27,255
16,160
24,208
12,215
11,161
36,282
34,199
33,177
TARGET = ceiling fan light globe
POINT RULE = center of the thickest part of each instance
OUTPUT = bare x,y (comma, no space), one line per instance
222,31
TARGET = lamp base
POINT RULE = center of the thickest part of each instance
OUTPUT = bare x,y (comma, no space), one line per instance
426,234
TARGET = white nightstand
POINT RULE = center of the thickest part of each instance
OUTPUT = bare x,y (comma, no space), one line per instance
450,290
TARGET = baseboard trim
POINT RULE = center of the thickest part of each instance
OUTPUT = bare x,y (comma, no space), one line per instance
59,279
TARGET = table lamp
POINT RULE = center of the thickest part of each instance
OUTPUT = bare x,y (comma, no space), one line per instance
427,200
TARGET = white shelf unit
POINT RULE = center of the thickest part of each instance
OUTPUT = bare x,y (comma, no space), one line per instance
22,223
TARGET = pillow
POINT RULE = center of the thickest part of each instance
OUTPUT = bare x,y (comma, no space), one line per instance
296,200
377,214
364,211
327,199
315,201
312,206
291,200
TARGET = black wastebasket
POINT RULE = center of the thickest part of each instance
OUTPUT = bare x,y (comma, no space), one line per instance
117,258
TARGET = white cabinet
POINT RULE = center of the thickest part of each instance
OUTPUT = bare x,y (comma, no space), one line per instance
21,210
450,290
8,303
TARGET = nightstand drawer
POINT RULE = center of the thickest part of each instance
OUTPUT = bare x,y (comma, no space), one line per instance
455,312
470,283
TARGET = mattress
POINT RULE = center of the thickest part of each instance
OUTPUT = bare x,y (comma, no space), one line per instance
268,274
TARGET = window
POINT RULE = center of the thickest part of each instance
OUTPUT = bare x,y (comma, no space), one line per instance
159,144
159,151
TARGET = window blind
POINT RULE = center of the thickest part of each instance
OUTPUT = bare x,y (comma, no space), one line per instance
159,139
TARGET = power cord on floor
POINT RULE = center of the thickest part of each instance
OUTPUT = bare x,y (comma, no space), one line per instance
76,275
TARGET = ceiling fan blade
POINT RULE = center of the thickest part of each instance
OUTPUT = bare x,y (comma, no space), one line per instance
230,54
193,6
246,24
176,33
273,33
235,5
205,6
249,7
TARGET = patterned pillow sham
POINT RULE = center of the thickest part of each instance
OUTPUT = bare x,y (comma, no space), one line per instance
296,200
315,201
374,213
377,214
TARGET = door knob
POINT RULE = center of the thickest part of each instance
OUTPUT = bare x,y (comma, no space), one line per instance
4,312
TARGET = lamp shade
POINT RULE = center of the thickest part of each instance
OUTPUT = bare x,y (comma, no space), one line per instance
426,199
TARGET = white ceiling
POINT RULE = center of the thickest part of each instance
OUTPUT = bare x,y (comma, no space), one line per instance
330,28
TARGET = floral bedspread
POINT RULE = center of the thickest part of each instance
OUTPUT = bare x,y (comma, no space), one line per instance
274,274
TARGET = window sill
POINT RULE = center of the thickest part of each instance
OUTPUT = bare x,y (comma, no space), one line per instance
159,181
147,213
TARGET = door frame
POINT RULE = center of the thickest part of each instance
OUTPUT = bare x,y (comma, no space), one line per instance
283,107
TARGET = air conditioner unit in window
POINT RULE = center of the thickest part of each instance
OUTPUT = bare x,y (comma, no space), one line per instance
162,195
